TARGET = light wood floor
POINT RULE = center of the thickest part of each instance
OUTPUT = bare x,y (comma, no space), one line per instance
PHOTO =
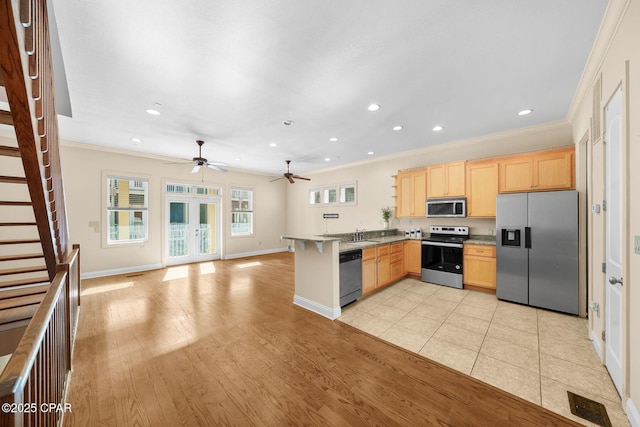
222,344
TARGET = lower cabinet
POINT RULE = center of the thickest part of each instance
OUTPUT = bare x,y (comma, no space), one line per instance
396,261
480,266
412,257
369,270
382,265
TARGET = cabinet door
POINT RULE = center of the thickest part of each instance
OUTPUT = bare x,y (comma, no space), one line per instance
369,268
480,271
515,174
455,179
482,189
436,181
404,200
419,199
384,270
396,271
553,171
412,256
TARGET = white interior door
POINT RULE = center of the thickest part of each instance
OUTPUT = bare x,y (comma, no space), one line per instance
193,229
614,238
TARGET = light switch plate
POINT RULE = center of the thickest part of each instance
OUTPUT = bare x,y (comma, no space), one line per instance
636,245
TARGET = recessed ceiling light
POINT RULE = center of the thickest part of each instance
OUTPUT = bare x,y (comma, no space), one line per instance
237,159
399,127
287,122
326,159
525,112
437,128
371,153
273,144
373,107
152,112
334,139
136,140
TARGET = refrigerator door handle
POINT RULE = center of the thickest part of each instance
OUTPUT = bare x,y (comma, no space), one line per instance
527,237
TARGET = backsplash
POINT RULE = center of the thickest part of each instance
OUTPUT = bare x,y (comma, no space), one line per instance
368,234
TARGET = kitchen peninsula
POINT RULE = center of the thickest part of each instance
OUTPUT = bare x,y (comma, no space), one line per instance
317,278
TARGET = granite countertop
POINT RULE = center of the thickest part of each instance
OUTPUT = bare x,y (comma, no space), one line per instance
311,238
367,243
481,240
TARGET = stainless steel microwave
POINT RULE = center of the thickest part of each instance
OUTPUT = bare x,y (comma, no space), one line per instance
447,208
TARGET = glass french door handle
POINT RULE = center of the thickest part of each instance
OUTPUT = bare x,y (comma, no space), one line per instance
614,281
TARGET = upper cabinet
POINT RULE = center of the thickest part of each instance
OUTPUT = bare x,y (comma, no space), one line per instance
548,170
411,194
446,180
482,188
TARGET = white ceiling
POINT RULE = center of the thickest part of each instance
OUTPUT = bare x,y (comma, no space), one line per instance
230,72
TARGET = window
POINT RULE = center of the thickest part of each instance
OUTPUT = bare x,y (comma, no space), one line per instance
241,211
330,195
127,205
348,193
315,197
343,194
193,189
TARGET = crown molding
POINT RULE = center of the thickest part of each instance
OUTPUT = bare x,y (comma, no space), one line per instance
611,21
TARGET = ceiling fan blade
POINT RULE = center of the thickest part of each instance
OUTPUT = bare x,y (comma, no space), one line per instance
195,169
217,163
217,168
290,178
301,177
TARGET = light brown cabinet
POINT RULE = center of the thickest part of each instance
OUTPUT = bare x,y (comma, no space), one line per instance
480,266
549,170
383,268
396,261
412,257
369,270
411,194
446,180
482,188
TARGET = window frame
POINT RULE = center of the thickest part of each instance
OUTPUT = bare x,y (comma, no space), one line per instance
250,211
108,209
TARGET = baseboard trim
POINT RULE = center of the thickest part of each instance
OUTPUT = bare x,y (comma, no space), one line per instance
633,414
255,253
329,313
115,271
595,342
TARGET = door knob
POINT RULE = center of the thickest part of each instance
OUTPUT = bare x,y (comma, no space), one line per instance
613,280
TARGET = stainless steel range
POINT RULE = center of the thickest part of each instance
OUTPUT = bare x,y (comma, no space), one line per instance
442,254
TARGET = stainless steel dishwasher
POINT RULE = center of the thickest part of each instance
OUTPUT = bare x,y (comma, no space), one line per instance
350,276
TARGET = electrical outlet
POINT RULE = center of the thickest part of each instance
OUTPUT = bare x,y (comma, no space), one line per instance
637,245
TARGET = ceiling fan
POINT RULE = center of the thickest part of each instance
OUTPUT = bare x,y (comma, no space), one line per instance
290,176
201,161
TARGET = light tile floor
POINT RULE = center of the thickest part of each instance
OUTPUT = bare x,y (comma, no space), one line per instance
532,353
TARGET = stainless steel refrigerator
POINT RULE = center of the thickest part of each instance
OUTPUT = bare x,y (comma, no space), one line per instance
537,249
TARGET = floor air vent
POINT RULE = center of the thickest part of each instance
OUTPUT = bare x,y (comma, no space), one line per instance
588,409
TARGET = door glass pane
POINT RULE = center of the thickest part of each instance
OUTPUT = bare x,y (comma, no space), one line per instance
207,230
178,229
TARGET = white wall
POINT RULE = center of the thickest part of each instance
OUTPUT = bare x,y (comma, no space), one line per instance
617,44
83,167
375,180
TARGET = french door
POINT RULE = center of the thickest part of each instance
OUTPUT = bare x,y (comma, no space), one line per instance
193,229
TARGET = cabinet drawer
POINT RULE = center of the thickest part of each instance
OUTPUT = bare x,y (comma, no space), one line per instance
383,250
396,257
368,253
396,247
480,250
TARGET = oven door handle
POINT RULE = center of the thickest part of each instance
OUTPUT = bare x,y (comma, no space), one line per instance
446,245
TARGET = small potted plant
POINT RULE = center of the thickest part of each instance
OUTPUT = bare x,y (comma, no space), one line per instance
386,214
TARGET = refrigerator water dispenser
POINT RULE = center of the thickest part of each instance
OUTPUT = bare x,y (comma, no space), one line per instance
511,237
